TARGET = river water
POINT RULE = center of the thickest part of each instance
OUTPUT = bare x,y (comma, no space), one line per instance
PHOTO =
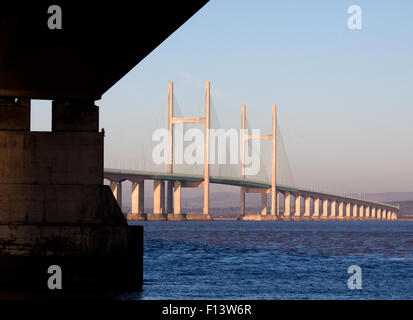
276,260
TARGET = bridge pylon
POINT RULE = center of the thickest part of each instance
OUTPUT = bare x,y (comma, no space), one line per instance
264,191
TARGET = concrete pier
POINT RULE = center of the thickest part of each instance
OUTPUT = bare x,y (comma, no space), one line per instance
297,206
333,207
373,213
324,215
287,205
137,203
341,210
158,213
316,214
54,208
348,211
367,216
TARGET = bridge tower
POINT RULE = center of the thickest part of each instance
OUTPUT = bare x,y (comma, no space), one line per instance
174,202
273,190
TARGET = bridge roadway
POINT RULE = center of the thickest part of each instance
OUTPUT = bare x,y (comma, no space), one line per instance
325,206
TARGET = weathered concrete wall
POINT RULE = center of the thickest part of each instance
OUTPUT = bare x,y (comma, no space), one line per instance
56,204
51,158
54,208
67,240
111,258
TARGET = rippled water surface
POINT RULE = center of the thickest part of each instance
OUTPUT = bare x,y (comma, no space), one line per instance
281,260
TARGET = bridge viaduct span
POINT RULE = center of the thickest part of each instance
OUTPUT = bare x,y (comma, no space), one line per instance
317,205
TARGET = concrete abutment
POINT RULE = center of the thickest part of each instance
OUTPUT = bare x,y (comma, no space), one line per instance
54,208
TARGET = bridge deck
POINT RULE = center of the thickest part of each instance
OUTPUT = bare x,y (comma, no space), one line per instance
121,175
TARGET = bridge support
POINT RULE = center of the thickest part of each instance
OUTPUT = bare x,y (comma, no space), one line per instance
297,206
275,214
333,206
341,210
307,205
264,204
158,201
177,191
138,205
361,214
373,213
242,205
116,187
355,211
367,216
324,215
348,210
54,208
287,205
205,215
316,213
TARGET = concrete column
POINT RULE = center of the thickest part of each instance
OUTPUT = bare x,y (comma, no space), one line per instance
384,214
316,208
242,206
274,159
177,197
158,196
361,215
264,204
169,197
287,204
373,213
138,195
355,210
163,193
206,150
54,206
367,212
325,208
333,209
297,206
340,210
378,213
278,204
348,210
116,188
307,206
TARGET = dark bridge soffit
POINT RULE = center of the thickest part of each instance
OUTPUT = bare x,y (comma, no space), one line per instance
98,44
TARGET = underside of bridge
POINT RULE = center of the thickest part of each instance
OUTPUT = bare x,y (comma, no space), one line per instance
54,209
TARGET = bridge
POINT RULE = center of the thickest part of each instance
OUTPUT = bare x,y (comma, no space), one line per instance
296,203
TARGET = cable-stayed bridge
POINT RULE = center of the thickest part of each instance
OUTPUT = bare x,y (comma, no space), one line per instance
288,202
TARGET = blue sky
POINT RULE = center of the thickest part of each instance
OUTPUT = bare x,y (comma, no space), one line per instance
344,96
